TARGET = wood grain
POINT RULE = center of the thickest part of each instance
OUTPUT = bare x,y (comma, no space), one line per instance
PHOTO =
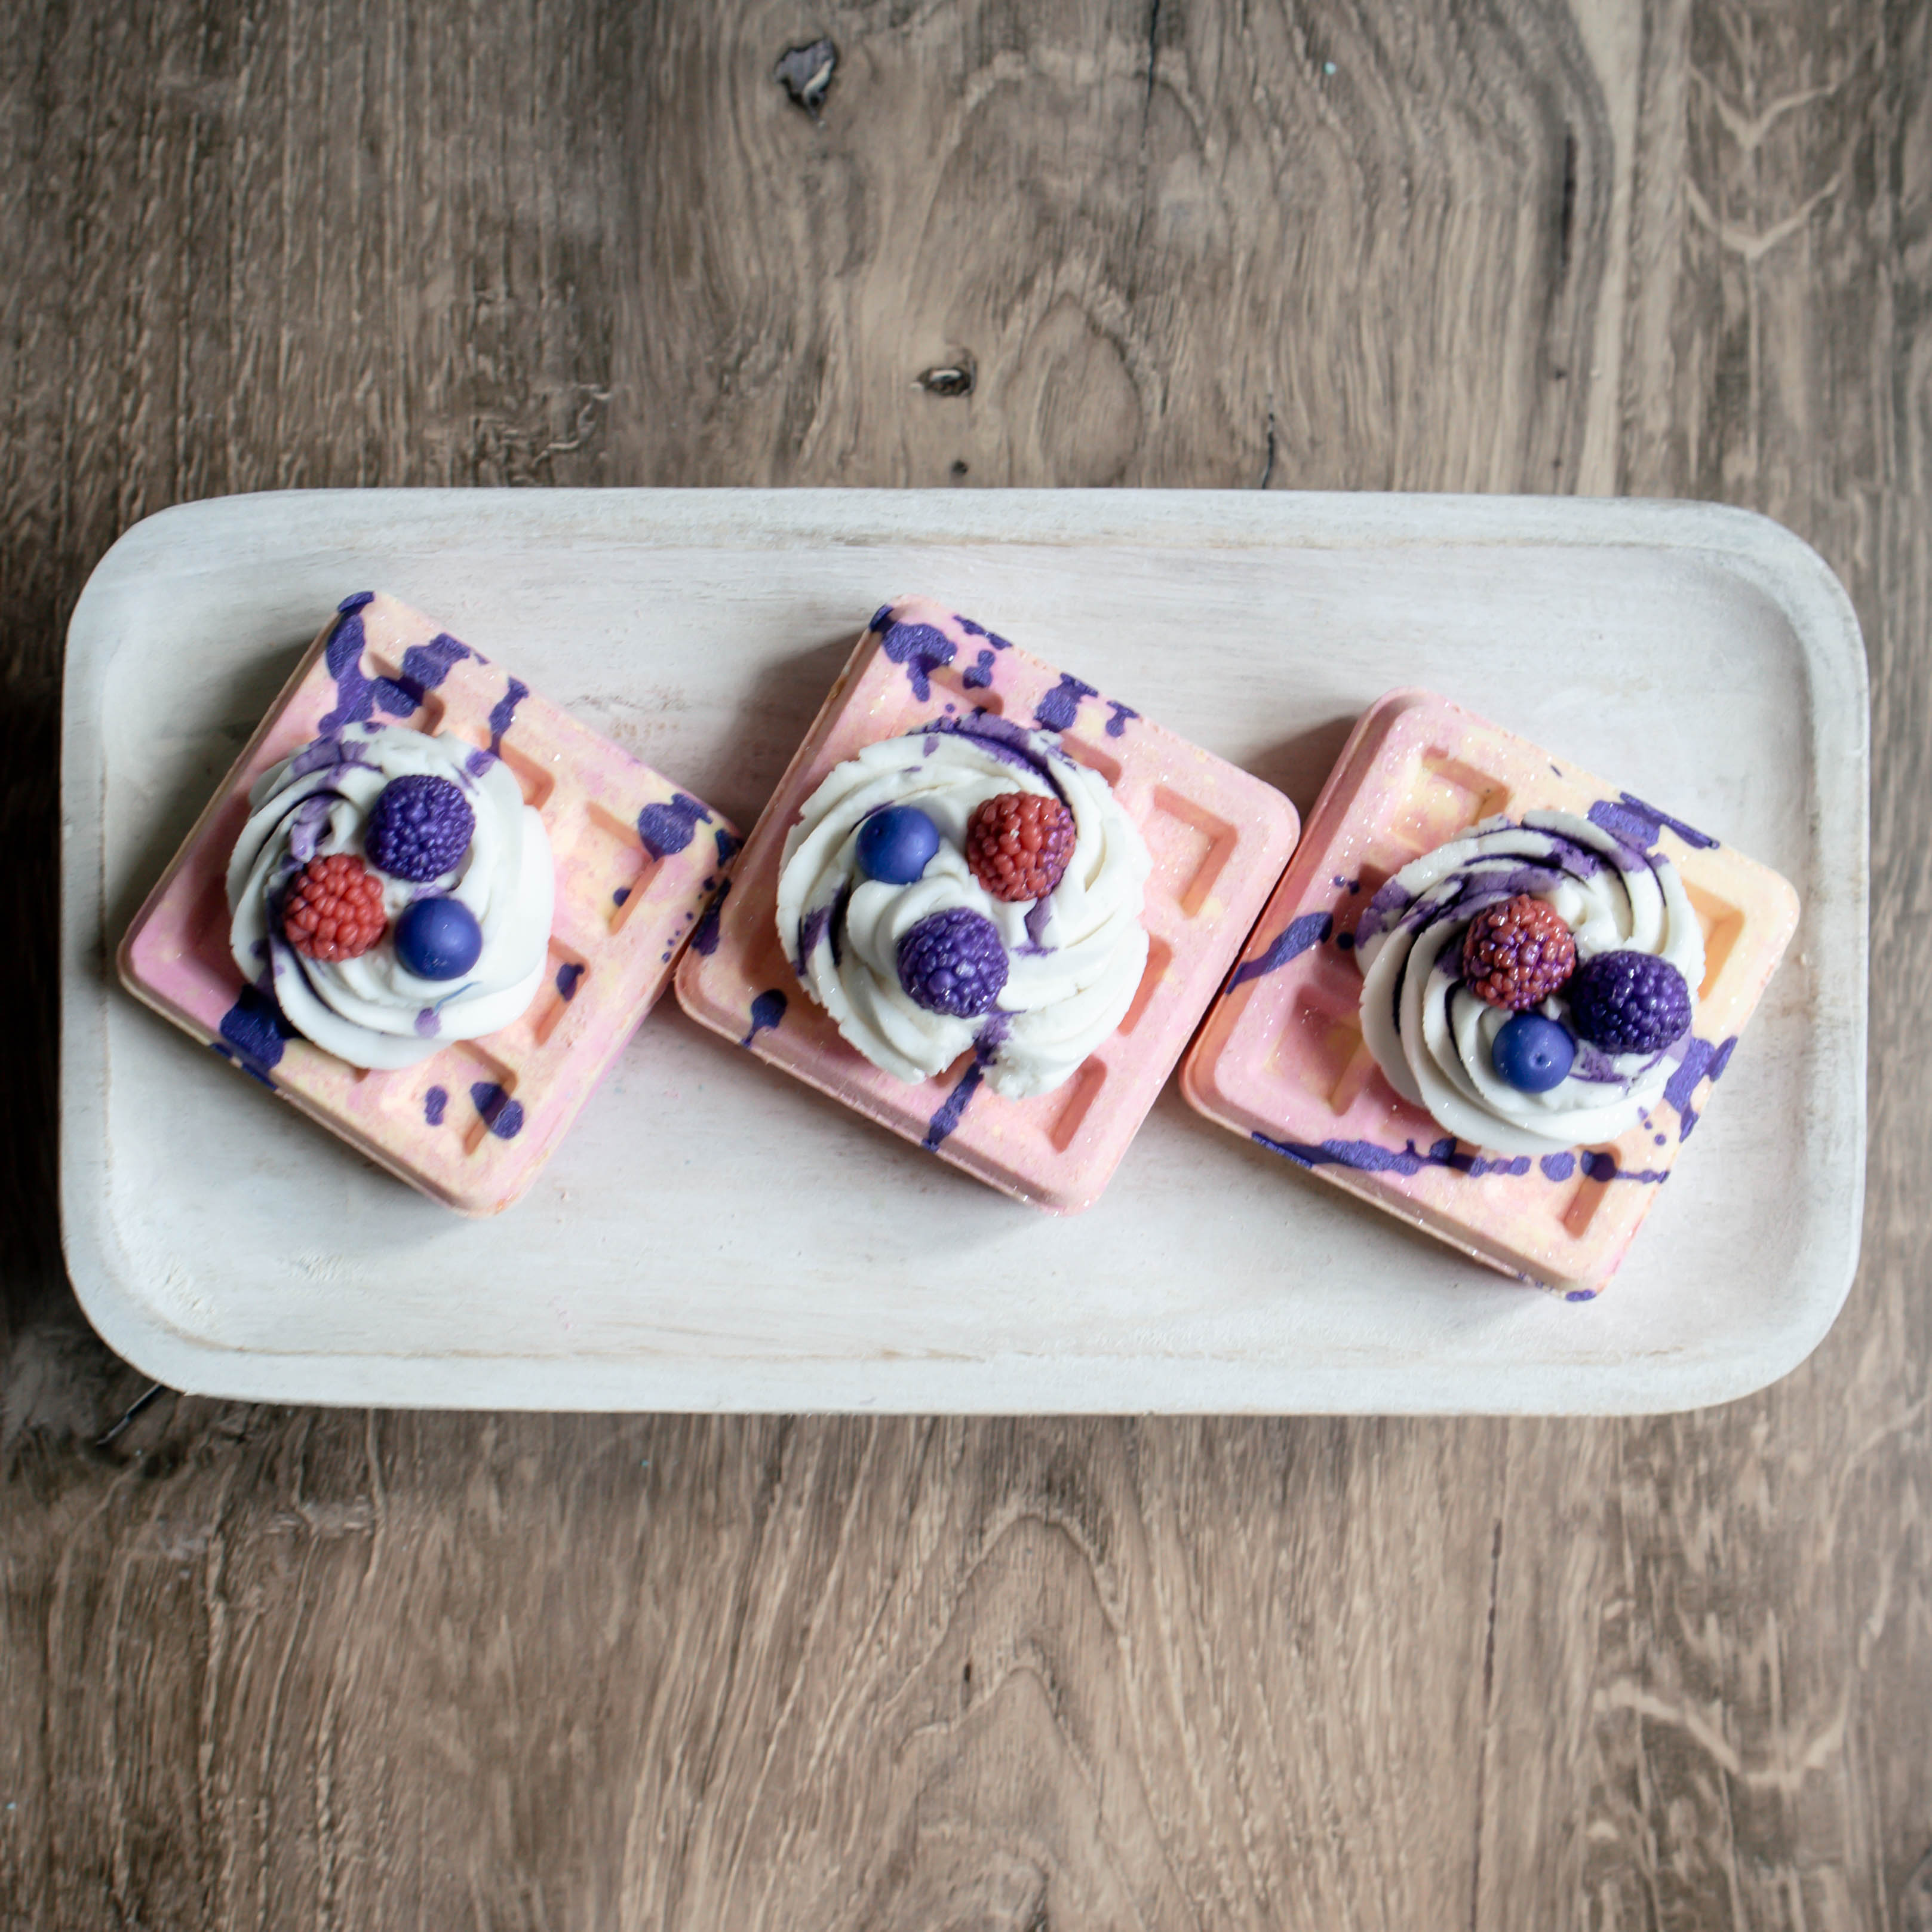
265,1667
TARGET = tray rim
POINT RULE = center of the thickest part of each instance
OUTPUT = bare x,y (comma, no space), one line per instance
1779,565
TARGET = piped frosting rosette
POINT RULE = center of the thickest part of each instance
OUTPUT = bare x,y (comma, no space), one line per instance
892,931
372,1010
1437,1039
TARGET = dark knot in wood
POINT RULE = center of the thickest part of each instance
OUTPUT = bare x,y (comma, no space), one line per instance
806,73
956,378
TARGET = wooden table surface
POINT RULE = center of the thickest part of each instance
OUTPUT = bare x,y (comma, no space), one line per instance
299,1667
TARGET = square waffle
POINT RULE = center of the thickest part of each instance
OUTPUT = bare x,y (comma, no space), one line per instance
1218,838
635,860
1281,1059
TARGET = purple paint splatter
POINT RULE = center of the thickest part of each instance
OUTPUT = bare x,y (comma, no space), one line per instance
921,648
424,667
704,935
1700,1058
504,712
1368,1157
952,1109
670,827
973,630
256,1027
434,1101
1310,930
343,654
502,1115
767,1010
1057,709
1638,824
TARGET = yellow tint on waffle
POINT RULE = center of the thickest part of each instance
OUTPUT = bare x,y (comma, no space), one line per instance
1282,1059
1218,837
472,1125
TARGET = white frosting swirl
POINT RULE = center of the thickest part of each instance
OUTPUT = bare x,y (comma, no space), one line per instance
1432,1036
1075,957
370,1011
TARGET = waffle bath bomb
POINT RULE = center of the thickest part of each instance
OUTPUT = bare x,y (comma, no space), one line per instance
425,907
987,905
1491,994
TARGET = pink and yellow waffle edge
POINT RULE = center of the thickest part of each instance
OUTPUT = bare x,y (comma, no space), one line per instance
1218,838
1281,1060
636,861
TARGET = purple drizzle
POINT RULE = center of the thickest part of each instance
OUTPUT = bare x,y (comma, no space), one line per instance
669,828
979,674
502,1115
1310,929
356,696
953,1109
256,1027
1368,1157
921,648
504,712
837,932
343,654
1638,824
811,931
424,667
767,1010
568,975
434,1101
305,827
973,630
994,735
704,934
727,845
1700,1057
1116,725
325,754
1057,709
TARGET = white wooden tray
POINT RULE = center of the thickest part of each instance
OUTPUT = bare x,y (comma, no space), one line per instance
713,1236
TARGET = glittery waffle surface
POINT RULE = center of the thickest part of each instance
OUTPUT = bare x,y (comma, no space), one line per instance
636,861
1218,837
1281,1058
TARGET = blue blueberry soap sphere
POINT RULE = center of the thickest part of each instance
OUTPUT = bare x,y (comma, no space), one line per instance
438,939
1532,1053
896,845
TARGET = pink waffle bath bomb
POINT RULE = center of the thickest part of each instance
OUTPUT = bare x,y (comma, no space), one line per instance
1281,1059
1217,837
636,860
